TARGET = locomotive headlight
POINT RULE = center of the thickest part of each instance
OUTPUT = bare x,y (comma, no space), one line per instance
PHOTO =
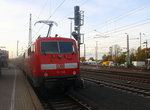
45,74
74,73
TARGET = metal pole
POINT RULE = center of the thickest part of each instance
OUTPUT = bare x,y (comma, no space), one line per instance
96,51
128,57
140,39
79,38
111,53
49,30
30,31
17,46
84,52
146,50
146,44
77,22
71,26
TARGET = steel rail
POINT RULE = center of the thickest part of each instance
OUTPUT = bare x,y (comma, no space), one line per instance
67,102
116,76
122,73
125,87
64,101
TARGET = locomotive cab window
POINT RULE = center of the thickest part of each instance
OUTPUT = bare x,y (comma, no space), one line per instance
50,47
66,47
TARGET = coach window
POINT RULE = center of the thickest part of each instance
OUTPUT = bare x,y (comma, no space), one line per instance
33,48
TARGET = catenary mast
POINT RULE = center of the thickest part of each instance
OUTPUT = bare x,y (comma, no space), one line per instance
30,31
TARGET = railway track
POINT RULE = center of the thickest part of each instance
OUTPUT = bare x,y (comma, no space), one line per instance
106,78
121,86
63,101
129,76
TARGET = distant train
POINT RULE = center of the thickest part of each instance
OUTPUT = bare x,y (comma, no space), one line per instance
52,60
4,54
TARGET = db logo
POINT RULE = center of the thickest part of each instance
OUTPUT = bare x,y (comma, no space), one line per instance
60,66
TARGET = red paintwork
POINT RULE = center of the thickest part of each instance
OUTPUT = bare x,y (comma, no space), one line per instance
33,62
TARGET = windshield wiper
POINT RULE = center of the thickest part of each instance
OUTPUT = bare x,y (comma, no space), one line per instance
44,52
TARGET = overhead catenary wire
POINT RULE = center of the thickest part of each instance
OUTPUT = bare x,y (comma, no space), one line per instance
119,17
122,28
71,12
123,39
146,21
132,43
126,27
43,7
56,9
51,15
115,29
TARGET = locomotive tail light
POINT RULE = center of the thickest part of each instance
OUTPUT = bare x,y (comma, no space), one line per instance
45,74
74,73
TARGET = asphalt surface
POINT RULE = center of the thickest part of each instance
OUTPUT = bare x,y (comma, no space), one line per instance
112,99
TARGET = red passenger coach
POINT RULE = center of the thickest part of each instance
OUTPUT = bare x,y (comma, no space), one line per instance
52,59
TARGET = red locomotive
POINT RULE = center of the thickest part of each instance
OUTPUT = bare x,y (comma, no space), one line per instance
52,59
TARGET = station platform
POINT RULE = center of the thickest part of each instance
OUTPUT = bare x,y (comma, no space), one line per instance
15,91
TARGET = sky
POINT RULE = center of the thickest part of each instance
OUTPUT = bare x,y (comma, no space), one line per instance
105,22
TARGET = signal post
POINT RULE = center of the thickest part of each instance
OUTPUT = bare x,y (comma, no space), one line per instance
78,22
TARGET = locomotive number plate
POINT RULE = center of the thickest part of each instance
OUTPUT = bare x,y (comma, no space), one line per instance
60,66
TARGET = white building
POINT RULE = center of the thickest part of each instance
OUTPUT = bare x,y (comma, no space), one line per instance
138,63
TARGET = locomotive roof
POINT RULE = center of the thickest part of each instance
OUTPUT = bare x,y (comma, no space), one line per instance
54,39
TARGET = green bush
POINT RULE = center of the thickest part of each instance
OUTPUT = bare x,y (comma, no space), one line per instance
130,66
